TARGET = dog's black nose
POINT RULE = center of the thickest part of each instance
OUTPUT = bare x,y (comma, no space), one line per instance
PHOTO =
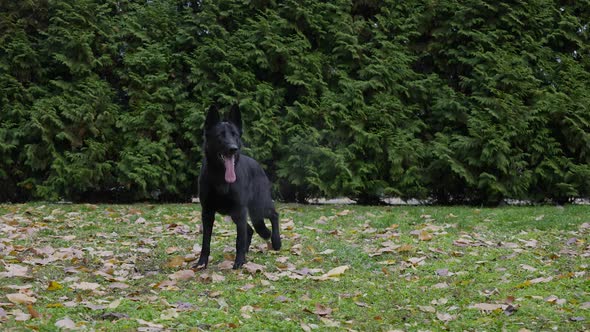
232,148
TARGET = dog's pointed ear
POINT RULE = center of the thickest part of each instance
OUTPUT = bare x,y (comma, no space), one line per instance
212,117
235,117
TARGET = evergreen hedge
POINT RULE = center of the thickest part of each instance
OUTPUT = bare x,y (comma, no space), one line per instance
472,101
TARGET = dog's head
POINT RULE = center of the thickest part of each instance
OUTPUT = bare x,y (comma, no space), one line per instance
223,139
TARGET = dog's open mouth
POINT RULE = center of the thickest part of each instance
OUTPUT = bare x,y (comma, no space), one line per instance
229,161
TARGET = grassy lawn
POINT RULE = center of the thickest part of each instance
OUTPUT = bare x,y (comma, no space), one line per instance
126,267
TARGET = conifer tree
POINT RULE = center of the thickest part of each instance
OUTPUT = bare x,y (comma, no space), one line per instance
475,101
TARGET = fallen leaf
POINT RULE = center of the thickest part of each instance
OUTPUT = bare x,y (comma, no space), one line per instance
527,267
150,324
296,249
510,309
215,294
175,262
247,287
440,285
54,285
247,308
226,265
245,311
530,243
405,248
337,271
112,316
34,313
205,277
93,306
20,316
171,250
344,212
15,271
540,280
287,224
169,314
329,322
118,285
183,306
222,303
487,307
86,285
182,275
271,276
508,245
424,236
252,268
66,323
217,277
322,310
555,300
282,299
415,261
441,301
427,308
114,304
445,317
20,298
307,327
166,284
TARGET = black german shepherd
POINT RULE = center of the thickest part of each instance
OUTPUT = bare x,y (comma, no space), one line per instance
233,184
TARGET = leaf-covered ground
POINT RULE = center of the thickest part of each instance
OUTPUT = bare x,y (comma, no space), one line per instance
117,267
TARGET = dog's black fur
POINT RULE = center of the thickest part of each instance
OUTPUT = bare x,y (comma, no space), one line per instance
237,191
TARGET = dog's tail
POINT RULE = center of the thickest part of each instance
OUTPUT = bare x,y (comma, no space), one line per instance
257,216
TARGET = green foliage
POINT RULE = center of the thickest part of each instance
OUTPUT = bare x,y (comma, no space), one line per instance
473,101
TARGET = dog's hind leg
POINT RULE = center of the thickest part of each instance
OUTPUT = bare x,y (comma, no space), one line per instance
275,236
250,232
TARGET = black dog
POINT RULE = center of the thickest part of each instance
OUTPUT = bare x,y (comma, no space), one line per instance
233,184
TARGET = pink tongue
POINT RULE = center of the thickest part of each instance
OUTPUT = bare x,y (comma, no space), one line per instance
230,173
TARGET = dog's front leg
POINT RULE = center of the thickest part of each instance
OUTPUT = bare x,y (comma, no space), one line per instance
208,218
241,221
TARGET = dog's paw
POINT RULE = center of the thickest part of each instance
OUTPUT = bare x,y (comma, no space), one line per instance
198,267
238,264
201,264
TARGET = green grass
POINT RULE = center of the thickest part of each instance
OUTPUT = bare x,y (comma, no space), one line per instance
410,268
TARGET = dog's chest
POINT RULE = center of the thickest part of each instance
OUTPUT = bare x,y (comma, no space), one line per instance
222,189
